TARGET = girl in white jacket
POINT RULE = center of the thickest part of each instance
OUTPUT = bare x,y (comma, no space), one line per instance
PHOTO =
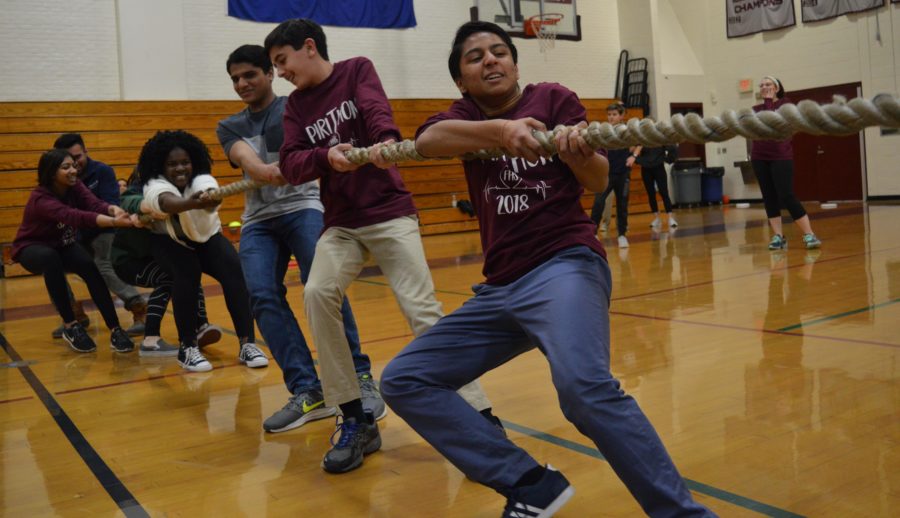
175,171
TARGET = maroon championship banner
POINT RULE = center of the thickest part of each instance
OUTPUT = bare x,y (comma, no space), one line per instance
744,17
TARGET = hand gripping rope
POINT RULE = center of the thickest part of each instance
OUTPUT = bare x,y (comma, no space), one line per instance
840,117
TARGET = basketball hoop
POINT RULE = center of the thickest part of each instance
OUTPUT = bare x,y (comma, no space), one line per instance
543,27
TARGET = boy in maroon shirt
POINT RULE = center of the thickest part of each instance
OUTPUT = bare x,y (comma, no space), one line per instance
547,286
335,107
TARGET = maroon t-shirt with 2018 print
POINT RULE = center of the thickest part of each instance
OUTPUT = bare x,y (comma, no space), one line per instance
528,211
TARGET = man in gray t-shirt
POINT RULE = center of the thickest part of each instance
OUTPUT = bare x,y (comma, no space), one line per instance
280,220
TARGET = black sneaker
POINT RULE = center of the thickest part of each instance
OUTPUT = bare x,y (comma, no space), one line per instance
120,342
78,339
540,500
191,359
357,440
58,332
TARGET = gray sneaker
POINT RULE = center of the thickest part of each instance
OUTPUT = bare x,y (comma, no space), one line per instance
371,397
357,440
155,346
299,410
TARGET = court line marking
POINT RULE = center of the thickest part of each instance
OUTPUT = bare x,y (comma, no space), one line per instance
708,324
15,400
829,318
750,274
693,485
120,494
757,330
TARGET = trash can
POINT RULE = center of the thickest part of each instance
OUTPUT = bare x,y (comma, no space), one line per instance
711,185
686,182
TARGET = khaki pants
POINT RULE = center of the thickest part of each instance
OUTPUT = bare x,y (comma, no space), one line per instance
340,254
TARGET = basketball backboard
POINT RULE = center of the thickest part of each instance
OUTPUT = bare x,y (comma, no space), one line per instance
517,16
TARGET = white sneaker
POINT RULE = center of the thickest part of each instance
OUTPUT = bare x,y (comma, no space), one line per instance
623,242
656,222
251,356
672,222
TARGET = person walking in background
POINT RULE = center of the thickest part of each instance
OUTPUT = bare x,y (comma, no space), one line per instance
653,173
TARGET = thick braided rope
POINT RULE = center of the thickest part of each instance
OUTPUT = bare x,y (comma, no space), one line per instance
837,118
219,193
841,117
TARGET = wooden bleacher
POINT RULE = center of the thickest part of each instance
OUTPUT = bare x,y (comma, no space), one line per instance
115,131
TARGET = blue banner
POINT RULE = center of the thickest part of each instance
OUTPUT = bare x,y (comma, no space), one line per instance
378,14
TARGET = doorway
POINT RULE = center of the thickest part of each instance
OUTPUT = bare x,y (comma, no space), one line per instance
828,168
689,150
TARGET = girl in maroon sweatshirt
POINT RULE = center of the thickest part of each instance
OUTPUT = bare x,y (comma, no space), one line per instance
45,245
773,163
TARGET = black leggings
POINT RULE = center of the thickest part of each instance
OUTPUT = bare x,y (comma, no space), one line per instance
654,177
148,273
776,182
621,184
217,258
53,263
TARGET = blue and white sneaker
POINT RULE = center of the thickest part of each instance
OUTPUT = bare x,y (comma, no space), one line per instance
778,242
540,500
811,241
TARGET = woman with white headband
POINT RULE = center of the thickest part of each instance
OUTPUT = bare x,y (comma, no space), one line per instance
773,163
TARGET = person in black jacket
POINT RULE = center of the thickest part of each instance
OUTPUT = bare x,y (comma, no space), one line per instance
653,173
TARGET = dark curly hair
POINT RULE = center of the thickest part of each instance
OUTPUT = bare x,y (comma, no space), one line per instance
49,164
152,162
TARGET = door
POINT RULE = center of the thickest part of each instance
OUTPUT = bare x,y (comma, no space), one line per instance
827,168
689,150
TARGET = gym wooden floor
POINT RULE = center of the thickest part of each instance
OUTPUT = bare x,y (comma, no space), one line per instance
772,378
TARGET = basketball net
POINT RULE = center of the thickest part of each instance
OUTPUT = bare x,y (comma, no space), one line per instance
544,29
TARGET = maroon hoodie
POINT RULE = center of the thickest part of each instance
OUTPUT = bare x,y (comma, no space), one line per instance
53,221
350,106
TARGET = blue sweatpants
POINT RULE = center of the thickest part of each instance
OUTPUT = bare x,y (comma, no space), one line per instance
562,308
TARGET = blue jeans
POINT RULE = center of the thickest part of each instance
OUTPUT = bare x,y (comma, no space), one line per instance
562,308
266,248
